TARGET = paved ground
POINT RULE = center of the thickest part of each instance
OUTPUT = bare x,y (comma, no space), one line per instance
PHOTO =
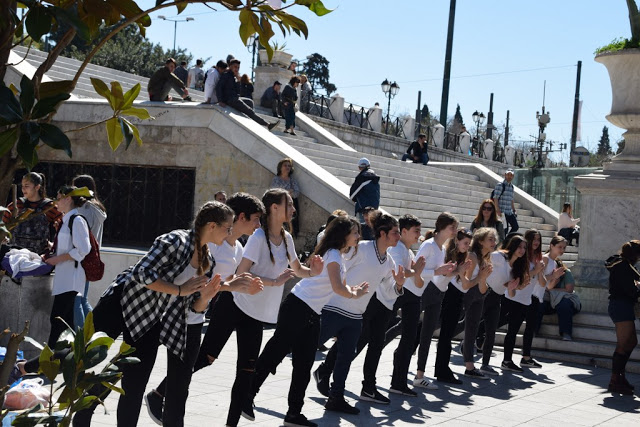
557,394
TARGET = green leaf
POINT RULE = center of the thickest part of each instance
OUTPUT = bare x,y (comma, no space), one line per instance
38,22
140,113
131,96
27,97
127,132
48,366
8,139
181,6
102,89
246,25
117,95
128,360
10,109
126,349
48,89
98,339
88,329
113,387
315,6
48,105
27,143
129,9
73,20
55,138
134,129
114,134
95,356
84,403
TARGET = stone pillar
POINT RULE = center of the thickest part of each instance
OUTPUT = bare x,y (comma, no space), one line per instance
337,108
375,119
488,149
437,133
465,142
509,152
409,128
264,78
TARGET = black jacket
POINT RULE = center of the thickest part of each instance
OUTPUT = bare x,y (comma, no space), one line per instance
289,94
622,277
158,79
415,149
227,87
366,195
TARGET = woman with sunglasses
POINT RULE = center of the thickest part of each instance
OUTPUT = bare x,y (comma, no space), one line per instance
487,217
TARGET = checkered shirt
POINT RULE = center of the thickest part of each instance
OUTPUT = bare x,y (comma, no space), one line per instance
504,198
168,257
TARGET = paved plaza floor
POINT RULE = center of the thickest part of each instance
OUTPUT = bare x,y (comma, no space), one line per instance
557,394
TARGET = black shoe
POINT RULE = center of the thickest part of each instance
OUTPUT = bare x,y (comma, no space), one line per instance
373,396
187,98
338,404
272,125
510,366
293,133
475,374
403,390
298,421
247,410
449,380
530,363
154,406
322,382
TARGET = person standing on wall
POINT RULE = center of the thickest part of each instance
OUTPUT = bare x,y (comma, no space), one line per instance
503,198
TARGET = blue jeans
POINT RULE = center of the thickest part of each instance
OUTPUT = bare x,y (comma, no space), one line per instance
348,332
81,307
565,316
425,158
512,224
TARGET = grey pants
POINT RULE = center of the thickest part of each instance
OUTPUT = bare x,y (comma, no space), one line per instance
431,304
473,302
168,85
245,105
491,316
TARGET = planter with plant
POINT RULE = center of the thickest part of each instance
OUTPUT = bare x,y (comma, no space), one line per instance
280,57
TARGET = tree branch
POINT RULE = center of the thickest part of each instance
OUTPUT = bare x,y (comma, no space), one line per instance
51,59
11,355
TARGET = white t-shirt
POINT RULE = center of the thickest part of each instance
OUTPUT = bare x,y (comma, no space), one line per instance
458,283
403,256
186,274
538,291
523,296
366,266
69,276
317,290
264,305
501,273
227,258
434,257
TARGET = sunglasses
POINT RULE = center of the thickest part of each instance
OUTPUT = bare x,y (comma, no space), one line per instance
487,208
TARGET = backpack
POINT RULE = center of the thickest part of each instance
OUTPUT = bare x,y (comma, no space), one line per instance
92,264
493,192
34,233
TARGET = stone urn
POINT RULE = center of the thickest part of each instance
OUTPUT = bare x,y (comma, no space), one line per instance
624,72
280,58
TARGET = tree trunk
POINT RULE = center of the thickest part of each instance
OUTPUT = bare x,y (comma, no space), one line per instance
6,33
10,358
8,167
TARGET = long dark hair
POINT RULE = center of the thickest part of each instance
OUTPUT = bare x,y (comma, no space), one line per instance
37,178
520,268
493,219
211,211
88,181
480,236
444,220
381,222
335,235
533,255
630,251
452,253
270,197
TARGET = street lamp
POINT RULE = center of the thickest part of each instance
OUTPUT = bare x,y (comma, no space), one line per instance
390,90
543,121
252,44
478,119
175,26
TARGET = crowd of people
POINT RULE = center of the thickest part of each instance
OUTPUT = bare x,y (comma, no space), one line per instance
467,281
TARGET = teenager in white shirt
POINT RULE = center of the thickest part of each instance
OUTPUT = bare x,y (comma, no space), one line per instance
226,318
343,318
70,250
298,325
433,251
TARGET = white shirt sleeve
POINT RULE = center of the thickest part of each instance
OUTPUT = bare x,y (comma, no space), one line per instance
80,239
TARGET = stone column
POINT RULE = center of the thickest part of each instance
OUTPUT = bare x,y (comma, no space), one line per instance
465,142
337,108
264,78
509,155
375,119
409,128
437,133
488,149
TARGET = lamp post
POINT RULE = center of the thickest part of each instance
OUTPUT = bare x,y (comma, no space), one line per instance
175,27
252,44
478,119
543,121
390,90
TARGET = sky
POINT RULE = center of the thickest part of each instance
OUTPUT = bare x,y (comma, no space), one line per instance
505,47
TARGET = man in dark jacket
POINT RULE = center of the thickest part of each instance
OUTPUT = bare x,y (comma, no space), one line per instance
271,99
417,151
365,190
163,80
228,92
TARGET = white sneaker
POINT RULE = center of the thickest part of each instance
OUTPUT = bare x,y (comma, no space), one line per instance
424,383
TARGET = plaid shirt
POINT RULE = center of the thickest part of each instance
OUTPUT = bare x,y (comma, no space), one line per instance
504,198
143,307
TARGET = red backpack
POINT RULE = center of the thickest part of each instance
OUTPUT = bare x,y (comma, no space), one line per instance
92,264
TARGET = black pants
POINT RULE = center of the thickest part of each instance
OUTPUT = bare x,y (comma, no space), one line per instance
240,104
515,314
297,332
490,318
225,318
166,88
63,308
450,313
374,324
512,224
473,304
175,386
531,319
570,233
432,306
410,305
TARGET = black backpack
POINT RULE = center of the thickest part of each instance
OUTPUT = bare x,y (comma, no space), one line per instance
493,192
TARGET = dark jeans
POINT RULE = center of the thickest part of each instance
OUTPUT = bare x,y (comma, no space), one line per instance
410,305
242,105
63,305
431,305
289,115
565,311
175,386
515,314
425,158
275,105
490,318
570,233
512,224
374,324
339,360
531,319
168,85
473,303
297,332
451,309
81,307
225,318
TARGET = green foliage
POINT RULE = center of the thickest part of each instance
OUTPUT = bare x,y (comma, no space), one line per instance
618,44
317,70
620,146
604,145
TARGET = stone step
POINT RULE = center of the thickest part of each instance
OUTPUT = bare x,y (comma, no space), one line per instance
289,139
598,362
584,333
441,205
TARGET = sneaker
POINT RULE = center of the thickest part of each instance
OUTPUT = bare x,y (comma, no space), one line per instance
187,98
247,410
566,337
488,370
449,380
475,374
338,404
322,383
373,396
403,390
272,125
510,366
424,383
298,420
154,406
530,363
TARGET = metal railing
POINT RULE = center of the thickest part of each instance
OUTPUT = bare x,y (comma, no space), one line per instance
395,127
452,142
317,105
356,115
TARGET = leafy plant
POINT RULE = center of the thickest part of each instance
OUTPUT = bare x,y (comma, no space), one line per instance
277,46
622,43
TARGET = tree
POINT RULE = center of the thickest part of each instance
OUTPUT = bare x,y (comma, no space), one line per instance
458,122
317,70
604,146
620,146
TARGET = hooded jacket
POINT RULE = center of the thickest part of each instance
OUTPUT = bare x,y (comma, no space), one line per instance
365,190
622,278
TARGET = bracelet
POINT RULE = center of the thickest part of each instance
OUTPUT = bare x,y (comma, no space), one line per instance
191,309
